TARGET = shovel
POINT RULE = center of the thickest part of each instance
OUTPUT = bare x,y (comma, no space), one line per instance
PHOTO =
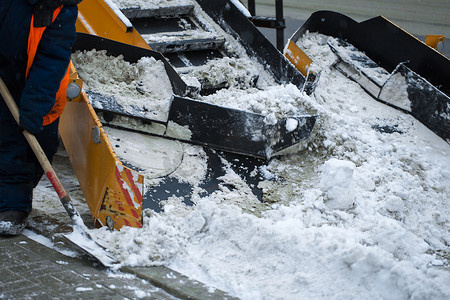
80,236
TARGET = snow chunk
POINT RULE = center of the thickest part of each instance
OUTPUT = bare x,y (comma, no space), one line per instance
336,182
291,124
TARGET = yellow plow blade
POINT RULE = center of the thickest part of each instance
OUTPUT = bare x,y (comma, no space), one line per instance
112,191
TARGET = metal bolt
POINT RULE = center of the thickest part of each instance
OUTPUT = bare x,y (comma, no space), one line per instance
109,222
96,135
73,90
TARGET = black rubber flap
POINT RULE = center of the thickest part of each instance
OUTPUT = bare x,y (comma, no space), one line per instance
235,130
231,19
385,43
428,104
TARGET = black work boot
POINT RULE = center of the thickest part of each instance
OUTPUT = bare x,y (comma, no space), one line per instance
12,222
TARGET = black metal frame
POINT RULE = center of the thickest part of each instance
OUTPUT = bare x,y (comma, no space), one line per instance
425,70
255,43
278,23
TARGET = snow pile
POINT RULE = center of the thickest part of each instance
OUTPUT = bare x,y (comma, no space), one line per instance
274,99
229,71
236,69
144,85
361,214
150,4
187,34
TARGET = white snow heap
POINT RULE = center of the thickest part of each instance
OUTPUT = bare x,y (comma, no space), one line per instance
144,85
336,182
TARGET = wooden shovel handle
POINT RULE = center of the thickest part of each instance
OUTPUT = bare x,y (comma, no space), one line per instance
86,243
40,155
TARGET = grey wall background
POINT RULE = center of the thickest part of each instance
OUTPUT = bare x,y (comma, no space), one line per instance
418,17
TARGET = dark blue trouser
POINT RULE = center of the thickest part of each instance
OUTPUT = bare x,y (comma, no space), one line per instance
20,171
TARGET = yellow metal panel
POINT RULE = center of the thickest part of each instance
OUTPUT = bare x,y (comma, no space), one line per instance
96,17
97,168
297,57
433,40
122,200
111,189
113,192
74,78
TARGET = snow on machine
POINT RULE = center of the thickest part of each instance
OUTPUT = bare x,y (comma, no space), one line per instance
390,64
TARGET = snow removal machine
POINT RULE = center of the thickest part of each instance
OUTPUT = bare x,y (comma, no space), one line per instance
390,64
146,76
156,79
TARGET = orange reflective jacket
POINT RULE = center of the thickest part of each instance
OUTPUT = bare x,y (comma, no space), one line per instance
33,42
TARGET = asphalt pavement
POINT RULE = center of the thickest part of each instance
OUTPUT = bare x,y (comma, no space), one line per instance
30,270
35,270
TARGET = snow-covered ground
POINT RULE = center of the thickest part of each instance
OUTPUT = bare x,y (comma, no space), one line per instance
358,214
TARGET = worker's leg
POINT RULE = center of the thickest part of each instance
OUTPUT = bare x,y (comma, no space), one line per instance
20,172
16,169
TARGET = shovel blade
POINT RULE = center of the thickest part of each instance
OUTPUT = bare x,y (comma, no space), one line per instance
82,240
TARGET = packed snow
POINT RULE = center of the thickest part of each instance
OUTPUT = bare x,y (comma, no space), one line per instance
165,37
355,212
149,4
144,85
